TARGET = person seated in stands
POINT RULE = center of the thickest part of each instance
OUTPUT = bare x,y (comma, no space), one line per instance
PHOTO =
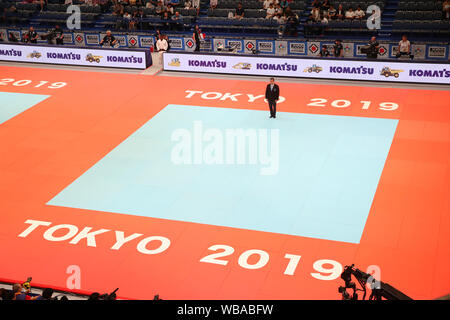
324,19
359,13
309,25
315,14
266,4
166,18
324,52
108,39
12,9
170,10
160,8
404,48
340,12
118,9
31,36
134,20
104,5
350,14
338,49
127,23
239,12
11,15
291,22
316,4
325,5
446,9
283,4
213,4
280,18
374,16
119,23
332,12
174,3
278,9
178,21
43,4
149,5
140,16
196,6
270,12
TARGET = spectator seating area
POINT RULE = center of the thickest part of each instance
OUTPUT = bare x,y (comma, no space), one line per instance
420,20
348,28
424,18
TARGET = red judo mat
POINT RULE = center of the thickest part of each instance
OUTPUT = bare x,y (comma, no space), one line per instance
87,114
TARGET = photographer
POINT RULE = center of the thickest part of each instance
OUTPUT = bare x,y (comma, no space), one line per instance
371,50
324,52
31,36
56,35
109,39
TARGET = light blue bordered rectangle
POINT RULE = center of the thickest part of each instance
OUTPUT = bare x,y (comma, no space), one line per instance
329,168
11,104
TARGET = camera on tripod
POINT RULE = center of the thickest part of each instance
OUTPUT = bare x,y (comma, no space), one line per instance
365,49
379,289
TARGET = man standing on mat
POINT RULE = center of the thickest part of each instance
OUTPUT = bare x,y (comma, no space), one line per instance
272,95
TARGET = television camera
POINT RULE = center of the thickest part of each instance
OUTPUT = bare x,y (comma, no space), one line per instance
378,288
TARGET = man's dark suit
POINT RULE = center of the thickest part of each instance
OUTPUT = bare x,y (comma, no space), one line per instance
272,96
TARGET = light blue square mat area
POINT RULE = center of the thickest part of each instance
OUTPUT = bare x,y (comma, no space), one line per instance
320,182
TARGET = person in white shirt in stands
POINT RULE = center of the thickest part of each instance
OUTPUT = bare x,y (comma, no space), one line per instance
266,4
196,5
315,14
161,47
270,11
350,14
404,48
359,13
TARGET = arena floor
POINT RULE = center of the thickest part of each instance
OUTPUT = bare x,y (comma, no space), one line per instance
363,178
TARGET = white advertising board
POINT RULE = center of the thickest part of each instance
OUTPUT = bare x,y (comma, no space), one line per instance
310,68
73,56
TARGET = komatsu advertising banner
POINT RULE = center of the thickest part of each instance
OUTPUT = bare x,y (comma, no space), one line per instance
310,68
75,56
